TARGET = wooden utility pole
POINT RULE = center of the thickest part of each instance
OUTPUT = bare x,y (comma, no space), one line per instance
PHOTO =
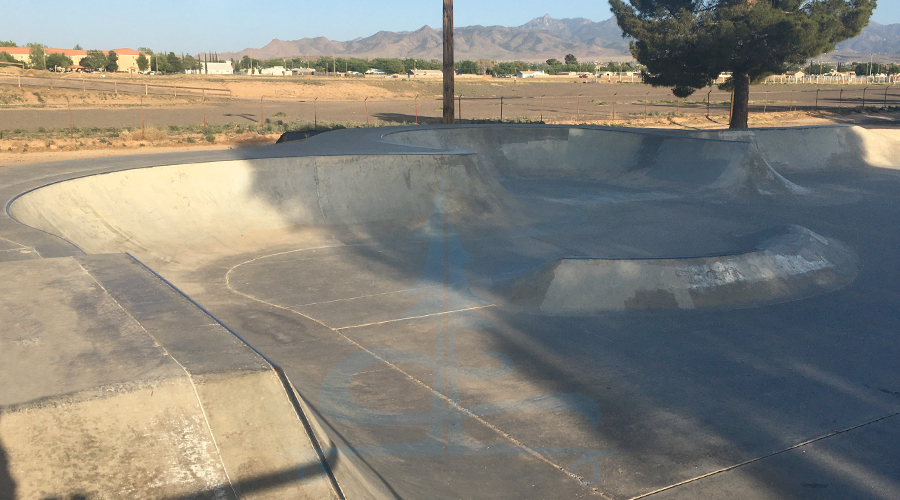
449,72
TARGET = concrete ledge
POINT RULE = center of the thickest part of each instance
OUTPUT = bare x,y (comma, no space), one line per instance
790,264
127,390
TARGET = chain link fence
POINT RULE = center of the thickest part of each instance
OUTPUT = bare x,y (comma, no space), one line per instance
618,106
598,104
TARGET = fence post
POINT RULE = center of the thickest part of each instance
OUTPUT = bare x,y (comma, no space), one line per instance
731,113
792,101
766,103
315,113
708,94
116,87
577,109
459,107
83,88
841,101
261,116
648,95
19,80
417,109
366,102
145,90
885,96
501,109
542,109
143,130
864,97
817,99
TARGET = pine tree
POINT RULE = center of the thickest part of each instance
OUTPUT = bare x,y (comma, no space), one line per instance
686,44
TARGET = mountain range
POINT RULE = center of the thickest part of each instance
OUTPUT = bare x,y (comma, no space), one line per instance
537,40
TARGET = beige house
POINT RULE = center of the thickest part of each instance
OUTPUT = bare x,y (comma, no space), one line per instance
426,73
127,58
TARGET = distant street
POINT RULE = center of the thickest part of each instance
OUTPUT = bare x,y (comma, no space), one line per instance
561,103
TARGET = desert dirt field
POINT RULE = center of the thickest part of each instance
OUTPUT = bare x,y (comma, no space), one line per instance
50,116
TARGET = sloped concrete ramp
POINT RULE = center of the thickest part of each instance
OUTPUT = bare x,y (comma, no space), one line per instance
469,312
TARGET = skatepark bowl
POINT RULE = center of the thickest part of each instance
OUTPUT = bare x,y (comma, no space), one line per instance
458,312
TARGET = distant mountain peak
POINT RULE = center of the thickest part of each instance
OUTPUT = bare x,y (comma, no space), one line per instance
537,40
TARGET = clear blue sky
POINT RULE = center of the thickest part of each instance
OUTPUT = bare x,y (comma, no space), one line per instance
229,25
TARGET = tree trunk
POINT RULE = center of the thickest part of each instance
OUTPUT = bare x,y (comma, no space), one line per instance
741,104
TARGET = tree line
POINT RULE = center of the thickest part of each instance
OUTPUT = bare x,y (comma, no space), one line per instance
324,64
860,68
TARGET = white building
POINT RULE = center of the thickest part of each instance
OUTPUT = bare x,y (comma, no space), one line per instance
529,74
215,68
276,71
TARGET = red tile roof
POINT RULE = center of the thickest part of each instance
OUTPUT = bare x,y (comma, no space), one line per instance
65,52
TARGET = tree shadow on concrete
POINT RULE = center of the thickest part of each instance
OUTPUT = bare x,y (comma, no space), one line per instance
7,484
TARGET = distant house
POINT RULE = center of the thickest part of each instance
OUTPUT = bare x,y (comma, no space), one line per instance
215,68
275,71
529,74
303,71
795,75
425,73
126,61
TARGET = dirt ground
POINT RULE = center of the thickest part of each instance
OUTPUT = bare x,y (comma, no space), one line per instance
35,119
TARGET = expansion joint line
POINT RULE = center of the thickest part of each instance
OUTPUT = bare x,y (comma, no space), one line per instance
757,459
289,390
339,332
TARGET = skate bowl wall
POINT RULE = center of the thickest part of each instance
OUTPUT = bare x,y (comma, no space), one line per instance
810,149
214,206
202,207
641,159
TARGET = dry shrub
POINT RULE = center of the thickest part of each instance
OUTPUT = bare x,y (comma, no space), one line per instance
150,134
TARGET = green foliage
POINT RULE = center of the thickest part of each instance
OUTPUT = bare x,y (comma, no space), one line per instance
37,55
94,60
510,67
192,63
818,69
160,63
113,62
686,44
142,62
570,59
467,67
145,50
553,63
8,43
6,57
175,63
872,68
59,61
77,47
389,66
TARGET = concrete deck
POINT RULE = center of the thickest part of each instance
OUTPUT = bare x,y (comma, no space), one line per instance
463,312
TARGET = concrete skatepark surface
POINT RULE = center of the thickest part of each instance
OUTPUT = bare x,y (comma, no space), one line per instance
458,312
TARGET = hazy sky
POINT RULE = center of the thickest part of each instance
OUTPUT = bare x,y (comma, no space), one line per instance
229,25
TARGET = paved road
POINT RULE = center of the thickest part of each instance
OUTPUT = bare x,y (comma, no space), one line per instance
569,103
